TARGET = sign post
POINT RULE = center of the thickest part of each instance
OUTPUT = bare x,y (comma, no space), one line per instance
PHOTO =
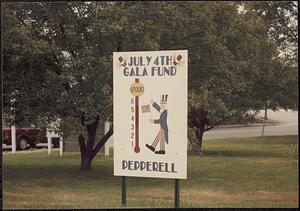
150,115
176,196
124,187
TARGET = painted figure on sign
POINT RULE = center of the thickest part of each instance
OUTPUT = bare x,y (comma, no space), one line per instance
162,136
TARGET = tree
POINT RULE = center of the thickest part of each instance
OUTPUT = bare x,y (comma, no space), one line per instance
282,21
282,24
236,68
53,42
66,49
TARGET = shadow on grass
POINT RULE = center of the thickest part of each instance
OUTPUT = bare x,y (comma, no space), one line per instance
235,153
71,176
54,172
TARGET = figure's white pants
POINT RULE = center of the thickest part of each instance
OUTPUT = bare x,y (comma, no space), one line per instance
160,138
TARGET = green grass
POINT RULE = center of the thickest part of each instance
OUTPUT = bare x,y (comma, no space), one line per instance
239,172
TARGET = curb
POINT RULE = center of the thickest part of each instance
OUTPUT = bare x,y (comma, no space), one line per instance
249,125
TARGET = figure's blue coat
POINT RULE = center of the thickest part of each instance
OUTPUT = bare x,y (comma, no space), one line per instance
162,120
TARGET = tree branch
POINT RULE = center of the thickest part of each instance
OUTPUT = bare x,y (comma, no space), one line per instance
82,120
284,24
82,27
81,145
91,129
102,141
208,128
13,53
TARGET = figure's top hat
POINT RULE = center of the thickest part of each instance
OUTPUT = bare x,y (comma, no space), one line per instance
164,99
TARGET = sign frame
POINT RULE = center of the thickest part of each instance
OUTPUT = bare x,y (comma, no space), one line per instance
138,76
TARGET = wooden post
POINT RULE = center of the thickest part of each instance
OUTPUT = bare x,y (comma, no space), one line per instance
13,139
49,144
106,146
61,146
13,128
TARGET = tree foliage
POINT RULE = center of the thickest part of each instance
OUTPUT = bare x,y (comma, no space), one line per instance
282,22
58,60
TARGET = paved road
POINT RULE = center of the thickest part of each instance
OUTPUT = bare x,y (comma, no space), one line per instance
287,125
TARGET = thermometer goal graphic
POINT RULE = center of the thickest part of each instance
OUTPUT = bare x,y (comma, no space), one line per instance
137,89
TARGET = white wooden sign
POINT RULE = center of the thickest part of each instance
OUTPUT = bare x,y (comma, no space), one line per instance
150,113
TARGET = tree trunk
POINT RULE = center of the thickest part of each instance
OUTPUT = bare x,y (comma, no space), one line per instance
199,136
86,163
88,149
265,118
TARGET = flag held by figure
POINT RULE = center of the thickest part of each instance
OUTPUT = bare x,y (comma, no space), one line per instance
145,108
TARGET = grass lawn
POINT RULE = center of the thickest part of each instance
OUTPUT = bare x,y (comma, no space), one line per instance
235,172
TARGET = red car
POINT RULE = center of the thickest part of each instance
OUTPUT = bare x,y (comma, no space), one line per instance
27,136
24,137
